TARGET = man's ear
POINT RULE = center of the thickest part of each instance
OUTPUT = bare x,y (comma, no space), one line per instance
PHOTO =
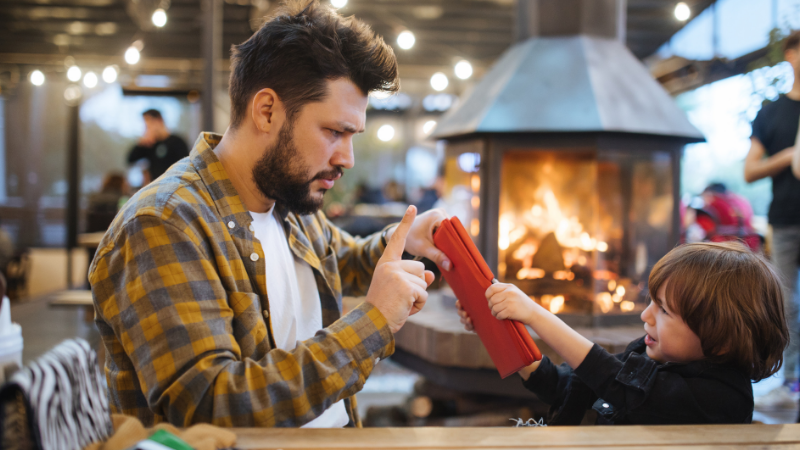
263,108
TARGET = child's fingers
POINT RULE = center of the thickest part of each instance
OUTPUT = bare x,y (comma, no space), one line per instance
496,289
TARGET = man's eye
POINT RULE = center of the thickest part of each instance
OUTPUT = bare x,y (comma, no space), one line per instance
335,133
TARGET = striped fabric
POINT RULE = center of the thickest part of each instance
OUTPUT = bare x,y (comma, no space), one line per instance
65,399
180,300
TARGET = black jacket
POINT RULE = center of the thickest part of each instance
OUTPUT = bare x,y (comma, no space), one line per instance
631,388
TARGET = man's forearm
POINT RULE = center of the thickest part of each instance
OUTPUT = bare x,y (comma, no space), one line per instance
756,170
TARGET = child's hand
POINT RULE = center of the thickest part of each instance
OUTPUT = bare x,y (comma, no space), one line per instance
508,302
464,317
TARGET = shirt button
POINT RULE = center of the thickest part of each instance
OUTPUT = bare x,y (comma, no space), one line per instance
253,256
605,405
266,314
251,227
377,360
231,225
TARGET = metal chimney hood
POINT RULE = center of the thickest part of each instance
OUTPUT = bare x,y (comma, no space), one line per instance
569,72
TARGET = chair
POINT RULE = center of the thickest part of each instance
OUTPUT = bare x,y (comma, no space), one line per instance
57,402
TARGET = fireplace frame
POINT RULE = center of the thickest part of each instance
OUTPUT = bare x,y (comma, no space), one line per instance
493,148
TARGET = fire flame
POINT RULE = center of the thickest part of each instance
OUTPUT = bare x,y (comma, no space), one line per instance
545,218
557,304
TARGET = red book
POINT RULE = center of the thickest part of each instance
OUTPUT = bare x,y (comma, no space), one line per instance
508,342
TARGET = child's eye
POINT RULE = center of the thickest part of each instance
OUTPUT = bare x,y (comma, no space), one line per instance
663,310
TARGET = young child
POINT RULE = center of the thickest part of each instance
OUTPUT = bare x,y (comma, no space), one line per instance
715,322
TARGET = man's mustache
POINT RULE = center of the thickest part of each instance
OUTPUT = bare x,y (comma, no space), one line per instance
330,174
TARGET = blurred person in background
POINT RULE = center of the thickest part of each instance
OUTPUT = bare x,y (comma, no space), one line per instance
723,216
771,152
103,205
157,146
6,250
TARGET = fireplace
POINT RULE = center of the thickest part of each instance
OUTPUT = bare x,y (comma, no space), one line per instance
564,164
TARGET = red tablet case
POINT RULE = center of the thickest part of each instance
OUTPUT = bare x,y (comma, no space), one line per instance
508,342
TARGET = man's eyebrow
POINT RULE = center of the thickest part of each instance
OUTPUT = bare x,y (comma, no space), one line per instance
348,127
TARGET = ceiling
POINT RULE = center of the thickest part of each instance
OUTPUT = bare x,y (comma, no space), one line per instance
446,30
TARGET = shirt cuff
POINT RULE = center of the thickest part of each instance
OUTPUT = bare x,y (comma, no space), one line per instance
543,381
382,241
365,333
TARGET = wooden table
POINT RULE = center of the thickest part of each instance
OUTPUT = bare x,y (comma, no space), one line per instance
90,240
586,437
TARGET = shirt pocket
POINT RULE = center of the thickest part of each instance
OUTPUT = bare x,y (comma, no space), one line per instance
249,328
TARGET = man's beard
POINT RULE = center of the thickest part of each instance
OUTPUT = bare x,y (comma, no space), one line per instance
280,175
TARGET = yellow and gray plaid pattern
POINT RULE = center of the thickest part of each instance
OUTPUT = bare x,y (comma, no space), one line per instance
180,300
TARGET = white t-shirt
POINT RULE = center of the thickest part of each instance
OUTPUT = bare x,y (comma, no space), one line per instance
294,305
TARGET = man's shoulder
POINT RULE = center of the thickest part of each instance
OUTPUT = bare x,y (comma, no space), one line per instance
179,190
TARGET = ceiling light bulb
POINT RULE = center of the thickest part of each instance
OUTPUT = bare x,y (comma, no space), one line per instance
72,93
159,18
429,126
132,55
439,81
406,40
37,78
386,133
110,74
463,69
90,80
682,11
338,3
74,73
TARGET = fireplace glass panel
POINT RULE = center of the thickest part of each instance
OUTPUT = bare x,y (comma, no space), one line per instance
579,234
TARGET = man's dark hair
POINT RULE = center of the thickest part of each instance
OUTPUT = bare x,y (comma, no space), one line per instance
300,47
153,113
792,41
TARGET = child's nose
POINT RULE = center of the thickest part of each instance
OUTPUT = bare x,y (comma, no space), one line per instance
647,314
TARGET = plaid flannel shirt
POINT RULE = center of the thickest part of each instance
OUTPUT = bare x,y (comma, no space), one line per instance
180,300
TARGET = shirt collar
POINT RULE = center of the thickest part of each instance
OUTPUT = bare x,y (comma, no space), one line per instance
214,175
216,178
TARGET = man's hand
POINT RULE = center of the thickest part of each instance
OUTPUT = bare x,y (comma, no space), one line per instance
420,238
398,287
507,302
149,138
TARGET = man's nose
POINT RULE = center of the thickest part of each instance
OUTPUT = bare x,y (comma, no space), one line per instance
343,157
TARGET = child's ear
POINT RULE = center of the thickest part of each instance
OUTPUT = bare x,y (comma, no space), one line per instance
725,349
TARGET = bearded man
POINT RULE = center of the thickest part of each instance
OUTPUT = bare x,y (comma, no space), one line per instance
218,287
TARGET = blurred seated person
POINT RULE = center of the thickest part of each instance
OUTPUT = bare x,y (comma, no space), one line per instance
368,195
158,146
6,250
431,195
394,191
724,216
103,205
